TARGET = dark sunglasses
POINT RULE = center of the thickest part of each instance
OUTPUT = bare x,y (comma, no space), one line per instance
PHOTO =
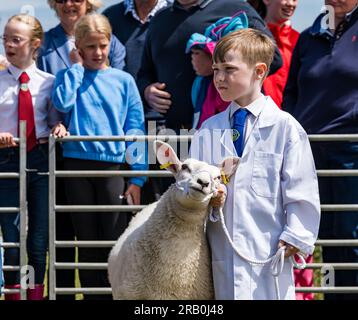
73,1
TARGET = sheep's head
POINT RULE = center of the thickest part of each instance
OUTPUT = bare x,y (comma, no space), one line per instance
196,180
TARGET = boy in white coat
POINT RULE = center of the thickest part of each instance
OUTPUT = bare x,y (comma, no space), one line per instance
272,200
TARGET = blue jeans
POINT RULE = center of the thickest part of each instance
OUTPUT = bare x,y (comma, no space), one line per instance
37,204
339,225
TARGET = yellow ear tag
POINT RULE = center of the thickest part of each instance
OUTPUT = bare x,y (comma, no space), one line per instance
166,165
224,177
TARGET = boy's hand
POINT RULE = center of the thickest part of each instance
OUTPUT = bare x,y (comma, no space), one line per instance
157,98
59,131
134,192
290,250
202,62
219,200
7,140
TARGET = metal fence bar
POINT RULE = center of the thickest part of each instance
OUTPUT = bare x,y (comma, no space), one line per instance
84,290
99,208
129,138
23,204
81,265
122,173
339,207
10,245
84,244
52,218
9,210
298,289
336,266
11,268
311,137
337,243
9,175
104,265
332,137
127,208
10,291
328,289
108,244
337,173
161,174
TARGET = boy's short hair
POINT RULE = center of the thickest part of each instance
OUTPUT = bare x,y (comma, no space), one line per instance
253,45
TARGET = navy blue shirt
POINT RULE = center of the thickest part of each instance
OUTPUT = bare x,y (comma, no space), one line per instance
130,32
322,87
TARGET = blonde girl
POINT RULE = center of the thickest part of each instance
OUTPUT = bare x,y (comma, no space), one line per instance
99,100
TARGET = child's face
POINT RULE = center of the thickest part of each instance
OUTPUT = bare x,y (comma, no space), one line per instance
18,46
94,49
202,62
279,11
236,81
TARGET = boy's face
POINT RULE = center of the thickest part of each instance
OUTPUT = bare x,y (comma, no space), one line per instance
236,81
94,49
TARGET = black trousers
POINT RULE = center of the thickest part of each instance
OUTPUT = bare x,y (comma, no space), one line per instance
95,226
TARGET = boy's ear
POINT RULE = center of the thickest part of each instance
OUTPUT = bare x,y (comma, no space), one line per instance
166,156
261,70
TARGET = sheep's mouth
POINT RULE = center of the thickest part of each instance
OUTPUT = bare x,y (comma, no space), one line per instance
199,190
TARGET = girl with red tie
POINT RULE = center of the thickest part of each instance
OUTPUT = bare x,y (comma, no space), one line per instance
25,94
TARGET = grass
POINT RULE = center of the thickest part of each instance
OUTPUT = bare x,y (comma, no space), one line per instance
317,258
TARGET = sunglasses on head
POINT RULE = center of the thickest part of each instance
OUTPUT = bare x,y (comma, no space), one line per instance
73,1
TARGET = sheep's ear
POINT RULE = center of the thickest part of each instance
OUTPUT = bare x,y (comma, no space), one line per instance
229,165
166,156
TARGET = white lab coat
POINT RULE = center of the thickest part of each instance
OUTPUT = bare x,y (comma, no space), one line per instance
273,195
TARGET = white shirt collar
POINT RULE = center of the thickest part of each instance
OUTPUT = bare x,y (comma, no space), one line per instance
130,7
254,107
16,72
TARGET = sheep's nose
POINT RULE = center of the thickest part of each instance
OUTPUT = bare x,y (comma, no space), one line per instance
203,183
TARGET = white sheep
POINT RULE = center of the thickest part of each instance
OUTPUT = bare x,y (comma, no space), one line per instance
164,254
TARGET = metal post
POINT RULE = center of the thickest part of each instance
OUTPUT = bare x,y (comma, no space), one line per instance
52,217
23,206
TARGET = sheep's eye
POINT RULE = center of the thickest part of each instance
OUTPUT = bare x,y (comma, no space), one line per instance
185,167
218,177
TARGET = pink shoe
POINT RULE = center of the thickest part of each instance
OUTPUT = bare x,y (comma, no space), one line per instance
12,296
37,293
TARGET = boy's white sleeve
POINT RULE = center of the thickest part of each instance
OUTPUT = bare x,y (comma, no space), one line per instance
300,195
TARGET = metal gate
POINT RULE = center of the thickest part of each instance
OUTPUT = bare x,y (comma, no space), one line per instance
58,209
